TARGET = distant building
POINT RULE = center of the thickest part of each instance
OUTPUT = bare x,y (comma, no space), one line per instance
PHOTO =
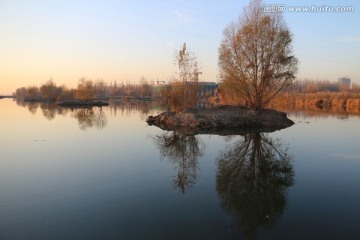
207,88
344,83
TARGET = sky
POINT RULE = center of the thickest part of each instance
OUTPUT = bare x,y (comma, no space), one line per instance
125,40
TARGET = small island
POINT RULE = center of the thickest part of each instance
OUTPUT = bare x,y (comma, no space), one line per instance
74,104
70,103
221,120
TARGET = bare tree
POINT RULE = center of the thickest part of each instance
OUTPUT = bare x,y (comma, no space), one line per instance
21,93
33,92
100,89
256,57
50,91
183,91
67,94
85,90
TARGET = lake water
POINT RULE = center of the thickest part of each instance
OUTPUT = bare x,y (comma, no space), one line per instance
104,174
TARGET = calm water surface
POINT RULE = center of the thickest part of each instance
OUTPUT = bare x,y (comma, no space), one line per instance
102,173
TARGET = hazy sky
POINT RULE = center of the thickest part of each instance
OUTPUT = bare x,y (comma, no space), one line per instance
124,40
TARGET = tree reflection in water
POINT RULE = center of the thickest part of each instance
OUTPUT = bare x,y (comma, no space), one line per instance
252,179
33,107
183,151
87,117
90,117
50,110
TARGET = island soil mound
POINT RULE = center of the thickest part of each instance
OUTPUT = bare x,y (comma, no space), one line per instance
222,120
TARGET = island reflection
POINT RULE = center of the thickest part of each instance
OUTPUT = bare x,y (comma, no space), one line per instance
253,176
252,179
89,117
183,151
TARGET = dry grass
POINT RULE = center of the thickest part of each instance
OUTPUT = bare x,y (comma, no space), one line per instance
336,102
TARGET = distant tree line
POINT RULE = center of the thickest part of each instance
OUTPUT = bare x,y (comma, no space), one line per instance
314,86
86,90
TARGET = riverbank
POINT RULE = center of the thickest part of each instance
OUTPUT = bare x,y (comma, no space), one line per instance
222,120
